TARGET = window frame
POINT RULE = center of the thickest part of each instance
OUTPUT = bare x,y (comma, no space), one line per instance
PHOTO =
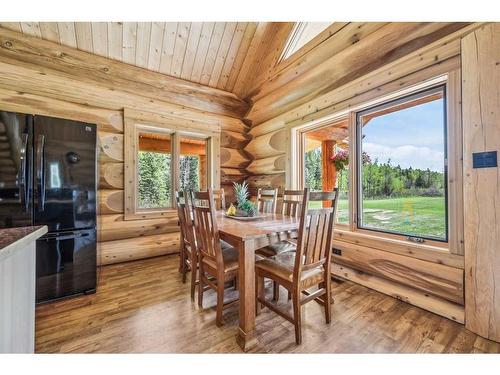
359,168
133,126
295,33
302,133
452,251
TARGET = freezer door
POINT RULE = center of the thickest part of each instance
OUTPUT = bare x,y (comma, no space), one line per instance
15,169
65,264
65,174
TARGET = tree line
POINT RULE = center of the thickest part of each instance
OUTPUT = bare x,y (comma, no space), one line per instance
380,180
154,178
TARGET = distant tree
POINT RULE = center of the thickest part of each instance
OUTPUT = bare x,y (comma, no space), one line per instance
313,169
154,179
189,172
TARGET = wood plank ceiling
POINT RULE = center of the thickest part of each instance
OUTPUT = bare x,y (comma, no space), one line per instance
209,53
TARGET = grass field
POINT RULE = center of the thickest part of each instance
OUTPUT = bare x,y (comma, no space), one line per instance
419,216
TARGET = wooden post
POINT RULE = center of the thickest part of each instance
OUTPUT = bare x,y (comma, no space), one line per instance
328,170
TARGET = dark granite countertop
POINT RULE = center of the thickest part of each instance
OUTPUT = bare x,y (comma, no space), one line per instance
12,239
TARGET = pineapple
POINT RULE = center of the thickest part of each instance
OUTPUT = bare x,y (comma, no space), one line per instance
241,193
245,207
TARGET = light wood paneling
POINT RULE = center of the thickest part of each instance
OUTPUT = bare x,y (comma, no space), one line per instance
114,227
115,40
379,48
437,279
15,101
55,64
181,50
481,123
124,250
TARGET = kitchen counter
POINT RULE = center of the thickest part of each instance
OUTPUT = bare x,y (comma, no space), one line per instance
14,239
17,288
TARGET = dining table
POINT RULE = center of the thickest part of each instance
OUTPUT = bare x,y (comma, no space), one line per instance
247,236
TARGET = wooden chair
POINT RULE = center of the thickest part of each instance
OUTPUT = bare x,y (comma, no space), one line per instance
216,265
266,200
308,266
188,252
292,201
220,199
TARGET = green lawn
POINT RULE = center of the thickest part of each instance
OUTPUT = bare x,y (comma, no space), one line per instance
419,216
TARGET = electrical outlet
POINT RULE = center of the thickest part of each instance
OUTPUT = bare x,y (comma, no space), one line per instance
337,251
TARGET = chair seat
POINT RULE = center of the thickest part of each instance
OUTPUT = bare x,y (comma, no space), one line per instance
229,257
275,249
282,266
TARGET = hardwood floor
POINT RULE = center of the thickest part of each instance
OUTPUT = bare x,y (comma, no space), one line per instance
139,307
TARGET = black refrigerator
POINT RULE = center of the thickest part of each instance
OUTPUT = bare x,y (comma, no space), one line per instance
48,177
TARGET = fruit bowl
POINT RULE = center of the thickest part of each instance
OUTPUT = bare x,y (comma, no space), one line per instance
243,218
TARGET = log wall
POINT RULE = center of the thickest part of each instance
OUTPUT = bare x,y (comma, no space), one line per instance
333,77
41,77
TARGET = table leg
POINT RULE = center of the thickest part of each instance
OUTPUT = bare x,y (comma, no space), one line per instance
246,337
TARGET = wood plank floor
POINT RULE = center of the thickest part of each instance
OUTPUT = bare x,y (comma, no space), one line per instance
142,306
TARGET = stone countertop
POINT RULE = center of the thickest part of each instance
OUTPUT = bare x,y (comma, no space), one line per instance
13,239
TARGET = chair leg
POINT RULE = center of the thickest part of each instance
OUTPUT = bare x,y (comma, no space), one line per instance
328,298
276,291
194,272
297,316
289,295
182,265
201,286
220,301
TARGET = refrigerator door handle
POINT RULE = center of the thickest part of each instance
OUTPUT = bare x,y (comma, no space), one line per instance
40,173
64,236
23,191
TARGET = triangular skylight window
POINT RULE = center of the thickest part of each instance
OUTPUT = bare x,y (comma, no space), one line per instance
302,33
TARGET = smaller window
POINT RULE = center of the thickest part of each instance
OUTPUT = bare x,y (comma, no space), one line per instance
161,158
325,163
193,164
302,33
154,171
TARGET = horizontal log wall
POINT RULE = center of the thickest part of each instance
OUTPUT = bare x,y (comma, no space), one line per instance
42,77
333,77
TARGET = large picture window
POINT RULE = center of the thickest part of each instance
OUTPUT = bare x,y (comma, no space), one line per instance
401,163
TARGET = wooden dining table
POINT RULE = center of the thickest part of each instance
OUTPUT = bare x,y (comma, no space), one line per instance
247,237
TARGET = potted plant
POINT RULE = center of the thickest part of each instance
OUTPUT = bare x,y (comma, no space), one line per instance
244,207
341,159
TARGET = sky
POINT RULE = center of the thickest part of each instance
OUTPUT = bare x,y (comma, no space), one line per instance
413,137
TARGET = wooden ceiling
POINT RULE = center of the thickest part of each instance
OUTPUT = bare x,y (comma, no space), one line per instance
209,53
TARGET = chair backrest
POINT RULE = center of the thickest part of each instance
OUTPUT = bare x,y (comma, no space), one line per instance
184,213
220,199
292,201
315,236
205,224
266,200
